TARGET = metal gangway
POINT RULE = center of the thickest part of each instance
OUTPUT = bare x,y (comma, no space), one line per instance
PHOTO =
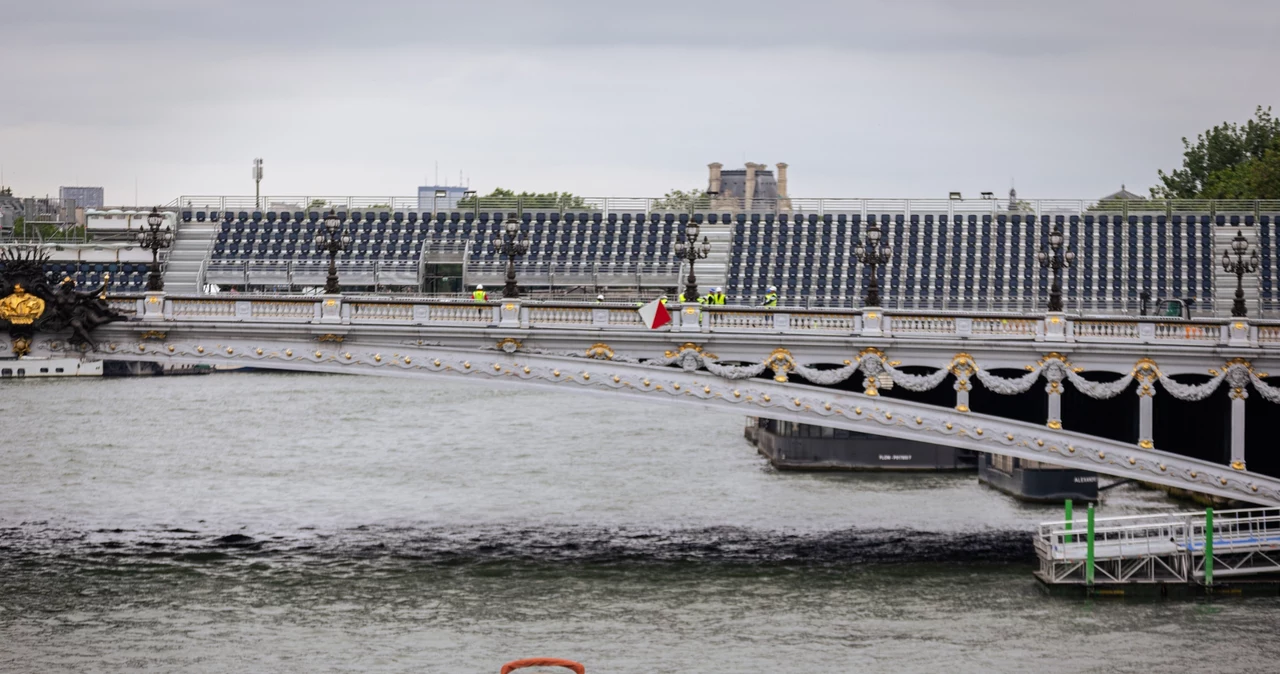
1163,548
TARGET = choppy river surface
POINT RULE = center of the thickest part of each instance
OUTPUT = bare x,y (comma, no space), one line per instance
308,523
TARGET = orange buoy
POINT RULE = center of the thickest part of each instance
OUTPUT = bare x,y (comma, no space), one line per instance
543,662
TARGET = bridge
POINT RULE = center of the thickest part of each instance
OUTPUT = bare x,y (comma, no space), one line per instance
963,351
1054,387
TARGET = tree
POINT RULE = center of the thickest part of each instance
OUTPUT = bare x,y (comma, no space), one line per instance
504,198
680,200
6,191
1257,178
1229,161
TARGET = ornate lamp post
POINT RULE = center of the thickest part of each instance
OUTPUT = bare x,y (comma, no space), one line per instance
688,248
333,237
1055,259
1239,266
511,242
155,238
872,253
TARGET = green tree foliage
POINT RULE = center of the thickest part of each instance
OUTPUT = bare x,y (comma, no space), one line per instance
6,191
1257,178
505,198
1229,161
46,231
680,200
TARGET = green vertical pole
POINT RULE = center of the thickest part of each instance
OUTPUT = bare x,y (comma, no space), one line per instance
1208,546
1088,561
1069,538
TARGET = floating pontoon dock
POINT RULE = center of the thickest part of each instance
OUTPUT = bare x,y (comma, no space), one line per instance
1170,548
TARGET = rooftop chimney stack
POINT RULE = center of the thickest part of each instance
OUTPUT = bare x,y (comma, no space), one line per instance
782,180
750,191
713,182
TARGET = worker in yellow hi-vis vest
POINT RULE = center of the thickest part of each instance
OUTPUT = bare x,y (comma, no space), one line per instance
770,297
480,295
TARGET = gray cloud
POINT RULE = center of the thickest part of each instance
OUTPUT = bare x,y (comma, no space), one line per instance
862,99
987,26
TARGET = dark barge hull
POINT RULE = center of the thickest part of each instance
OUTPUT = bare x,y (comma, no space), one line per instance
1039,485
805,447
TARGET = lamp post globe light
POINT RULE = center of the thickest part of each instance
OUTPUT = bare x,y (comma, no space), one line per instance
872,252
511,243
155,238
688,248
333,238
1055,259
1239,266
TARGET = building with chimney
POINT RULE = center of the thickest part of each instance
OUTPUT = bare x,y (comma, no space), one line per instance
749,188
84,197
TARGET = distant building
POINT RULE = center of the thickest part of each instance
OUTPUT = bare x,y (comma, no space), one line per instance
754,185
7,217
85,197
436,197
1122,195
11,204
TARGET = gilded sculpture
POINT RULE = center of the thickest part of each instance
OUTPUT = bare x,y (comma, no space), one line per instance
29,301
21,307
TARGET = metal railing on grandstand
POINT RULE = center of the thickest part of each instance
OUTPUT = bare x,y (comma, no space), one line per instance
294,273
819,206
987,305
550,274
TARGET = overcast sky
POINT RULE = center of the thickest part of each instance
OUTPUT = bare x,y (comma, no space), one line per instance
863,99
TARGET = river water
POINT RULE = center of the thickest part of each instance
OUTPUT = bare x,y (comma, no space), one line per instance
310,523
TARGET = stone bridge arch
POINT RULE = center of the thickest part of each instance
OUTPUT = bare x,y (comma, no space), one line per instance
682,382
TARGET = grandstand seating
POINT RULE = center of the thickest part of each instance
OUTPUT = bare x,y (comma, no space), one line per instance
1268,248
958,260
125,277
584,245
385,249
971,261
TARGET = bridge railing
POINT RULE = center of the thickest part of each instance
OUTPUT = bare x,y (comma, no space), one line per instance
1128,536
1158,534
694,318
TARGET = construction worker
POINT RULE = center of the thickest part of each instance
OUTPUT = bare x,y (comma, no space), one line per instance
599,299
770,297
716,296
480,295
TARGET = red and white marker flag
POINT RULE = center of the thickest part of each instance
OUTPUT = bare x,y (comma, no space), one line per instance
655,314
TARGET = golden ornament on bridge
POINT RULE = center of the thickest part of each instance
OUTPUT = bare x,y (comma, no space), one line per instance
21,307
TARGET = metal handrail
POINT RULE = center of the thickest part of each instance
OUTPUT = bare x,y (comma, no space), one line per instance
1130,525
818,206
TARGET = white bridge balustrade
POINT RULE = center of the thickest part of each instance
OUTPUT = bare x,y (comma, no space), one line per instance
692,317
782,363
